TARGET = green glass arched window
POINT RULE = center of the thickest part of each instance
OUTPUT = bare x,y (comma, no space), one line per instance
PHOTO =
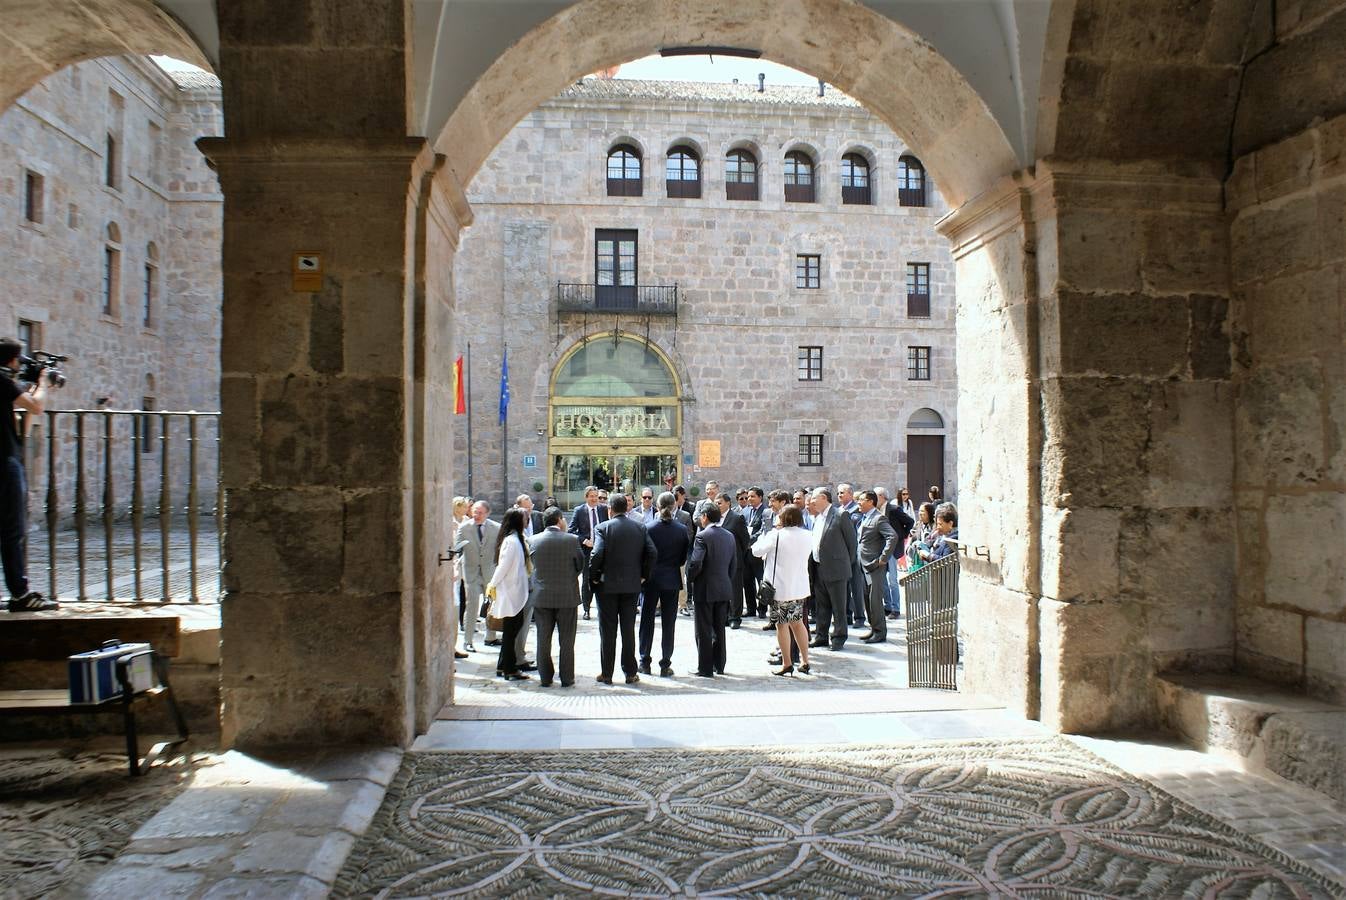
622,368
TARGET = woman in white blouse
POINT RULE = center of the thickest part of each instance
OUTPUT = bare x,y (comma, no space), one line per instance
785,553
508,589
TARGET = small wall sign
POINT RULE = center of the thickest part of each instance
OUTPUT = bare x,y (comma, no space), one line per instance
530,462
708,454
306,272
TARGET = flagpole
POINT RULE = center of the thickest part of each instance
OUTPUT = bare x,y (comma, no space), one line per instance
467,384
504,424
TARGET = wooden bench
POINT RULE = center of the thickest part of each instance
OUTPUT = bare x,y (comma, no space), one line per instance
47,638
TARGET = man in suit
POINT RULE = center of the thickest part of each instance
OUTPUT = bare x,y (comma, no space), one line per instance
758,519
671,544
855,608
555,594
583,523
731,520
532,519
622,559
902,525
714,559
480,535
645,513
832,559
875,542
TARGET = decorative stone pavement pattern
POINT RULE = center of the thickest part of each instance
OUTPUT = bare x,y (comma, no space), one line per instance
64,815
1034,815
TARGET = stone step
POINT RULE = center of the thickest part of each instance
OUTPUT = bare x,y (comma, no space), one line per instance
1264,726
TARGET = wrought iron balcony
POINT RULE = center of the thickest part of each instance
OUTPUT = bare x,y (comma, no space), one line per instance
642,299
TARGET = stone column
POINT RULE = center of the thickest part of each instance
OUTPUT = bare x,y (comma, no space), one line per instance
1137,464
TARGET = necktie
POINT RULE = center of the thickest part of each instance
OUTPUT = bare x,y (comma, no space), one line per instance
593,520
480,539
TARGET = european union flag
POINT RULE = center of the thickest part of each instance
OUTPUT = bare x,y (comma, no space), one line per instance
504,386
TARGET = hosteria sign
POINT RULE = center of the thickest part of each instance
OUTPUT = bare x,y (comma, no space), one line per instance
626,422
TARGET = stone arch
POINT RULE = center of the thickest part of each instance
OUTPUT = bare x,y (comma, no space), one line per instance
70,31
898,76
925,417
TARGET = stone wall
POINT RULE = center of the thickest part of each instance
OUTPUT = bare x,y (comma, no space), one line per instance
51,272
540,197
1287,206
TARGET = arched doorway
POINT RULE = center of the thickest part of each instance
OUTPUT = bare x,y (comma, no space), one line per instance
925,453
615,418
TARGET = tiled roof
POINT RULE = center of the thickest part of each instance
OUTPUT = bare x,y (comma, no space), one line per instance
193,81
635,89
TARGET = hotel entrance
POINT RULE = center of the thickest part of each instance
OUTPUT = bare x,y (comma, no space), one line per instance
615,419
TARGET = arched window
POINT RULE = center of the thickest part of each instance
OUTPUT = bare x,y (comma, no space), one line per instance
855,180
798,177
683,173
925,418
624,175
740,175
112,271
910,182
151,297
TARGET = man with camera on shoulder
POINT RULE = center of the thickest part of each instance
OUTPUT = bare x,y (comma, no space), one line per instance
14,395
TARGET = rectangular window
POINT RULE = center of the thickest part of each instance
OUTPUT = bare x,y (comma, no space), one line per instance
151,292
155,152
918,290
28,336
145,426
111,279
810,363
110,158
810,449
33,196
918,363
808,268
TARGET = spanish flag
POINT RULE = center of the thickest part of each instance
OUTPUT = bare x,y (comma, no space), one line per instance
460,398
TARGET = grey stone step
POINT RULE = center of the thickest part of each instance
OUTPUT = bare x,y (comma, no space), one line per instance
1267,727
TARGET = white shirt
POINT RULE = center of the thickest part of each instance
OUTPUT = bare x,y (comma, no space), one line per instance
788,568
817,533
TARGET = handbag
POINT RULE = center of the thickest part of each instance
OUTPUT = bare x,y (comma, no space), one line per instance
493,622
766,592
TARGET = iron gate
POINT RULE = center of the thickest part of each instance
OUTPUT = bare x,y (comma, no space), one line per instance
931,597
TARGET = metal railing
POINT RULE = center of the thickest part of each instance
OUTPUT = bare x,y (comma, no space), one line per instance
644,299
931,597
149,481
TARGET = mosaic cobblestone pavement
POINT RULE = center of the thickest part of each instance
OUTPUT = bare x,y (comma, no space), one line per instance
64,816
1028,816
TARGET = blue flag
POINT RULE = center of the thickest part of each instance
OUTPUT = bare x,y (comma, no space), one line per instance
504,386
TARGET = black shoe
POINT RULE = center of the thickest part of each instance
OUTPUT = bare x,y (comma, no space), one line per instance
604,679
32,602
735,624
517,676
499,673
586,614
805,669
458,654
567,684
644,668
528,667
818,643
836,646
788,670
494,643
768,627
665,671
704,674
875,639
632,678
546,683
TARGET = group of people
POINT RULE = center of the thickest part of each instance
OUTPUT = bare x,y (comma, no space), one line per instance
792,559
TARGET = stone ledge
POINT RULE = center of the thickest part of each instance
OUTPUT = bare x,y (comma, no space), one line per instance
1263,726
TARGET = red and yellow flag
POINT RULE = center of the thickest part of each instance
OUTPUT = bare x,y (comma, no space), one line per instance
460,398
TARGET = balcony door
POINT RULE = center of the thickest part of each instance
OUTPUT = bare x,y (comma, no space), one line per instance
615,258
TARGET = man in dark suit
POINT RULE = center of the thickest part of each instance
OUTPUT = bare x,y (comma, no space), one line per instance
532,523
758,518
731,520
902,525
583,523
715,558
622,559
671,545
833,558
875,543
555,594
855,608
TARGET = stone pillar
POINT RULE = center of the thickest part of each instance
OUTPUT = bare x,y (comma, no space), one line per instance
326,571
1137,464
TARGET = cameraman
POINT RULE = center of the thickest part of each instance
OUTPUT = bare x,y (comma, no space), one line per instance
13,482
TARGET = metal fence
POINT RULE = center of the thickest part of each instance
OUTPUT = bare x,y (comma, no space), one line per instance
931,597
132,504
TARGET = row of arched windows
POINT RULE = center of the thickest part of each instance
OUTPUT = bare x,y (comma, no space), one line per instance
682,176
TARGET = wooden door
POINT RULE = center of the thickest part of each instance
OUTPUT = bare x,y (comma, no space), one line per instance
925,464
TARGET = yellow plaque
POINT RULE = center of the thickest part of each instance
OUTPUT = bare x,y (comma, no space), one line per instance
708,454
306,273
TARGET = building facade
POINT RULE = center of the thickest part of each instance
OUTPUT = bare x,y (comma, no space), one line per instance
705,281
110,254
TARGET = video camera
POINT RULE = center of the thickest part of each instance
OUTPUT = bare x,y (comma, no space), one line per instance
32,367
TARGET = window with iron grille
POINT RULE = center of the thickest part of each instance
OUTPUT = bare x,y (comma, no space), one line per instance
740,175
918,363
624,171
798,177
33,204
910,182
810,363
683,173
808,269
855,180
810,449
918,290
